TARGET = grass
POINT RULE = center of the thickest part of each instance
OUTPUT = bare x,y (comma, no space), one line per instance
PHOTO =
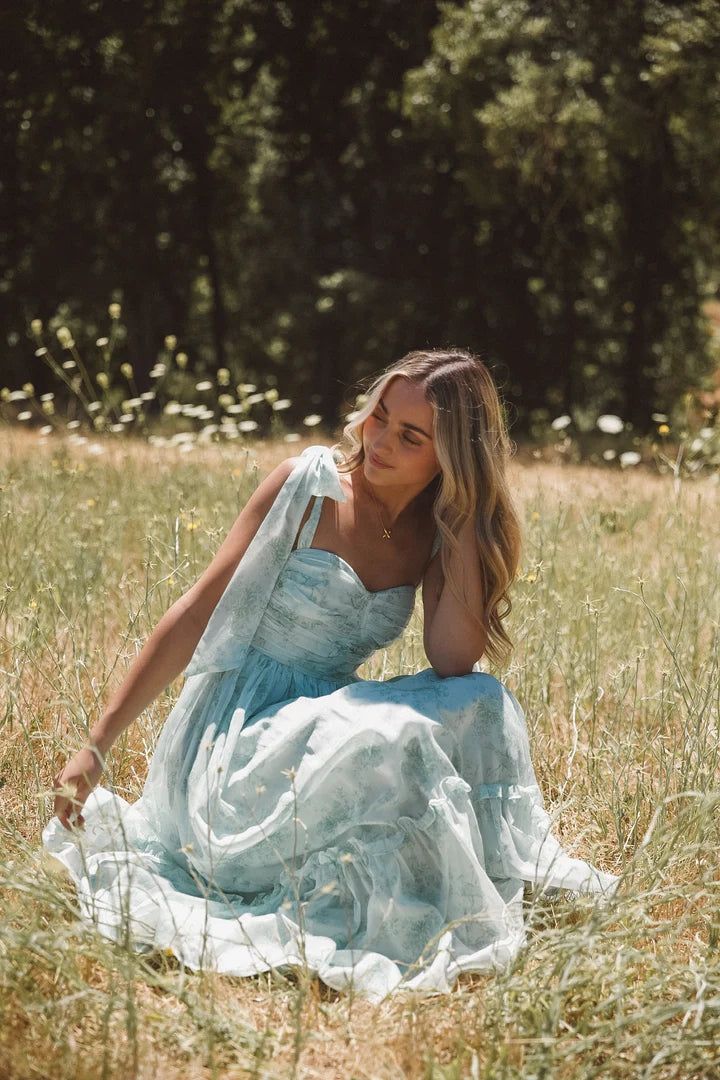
616,619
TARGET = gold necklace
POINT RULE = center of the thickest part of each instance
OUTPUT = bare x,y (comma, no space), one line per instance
386,533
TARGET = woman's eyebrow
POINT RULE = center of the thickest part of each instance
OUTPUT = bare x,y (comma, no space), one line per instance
404,422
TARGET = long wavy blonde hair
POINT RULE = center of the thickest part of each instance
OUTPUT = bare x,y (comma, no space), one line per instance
473,448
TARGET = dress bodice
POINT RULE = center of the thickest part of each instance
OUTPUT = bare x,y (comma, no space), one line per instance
322,618
306,607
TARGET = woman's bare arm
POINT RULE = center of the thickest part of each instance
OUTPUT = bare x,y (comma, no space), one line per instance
452,642
170,646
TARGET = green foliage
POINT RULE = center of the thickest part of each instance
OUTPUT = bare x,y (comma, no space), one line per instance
305,193
577,138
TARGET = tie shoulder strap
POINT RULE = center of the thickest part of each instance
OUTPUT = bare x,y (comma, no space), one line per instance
308,530
237,614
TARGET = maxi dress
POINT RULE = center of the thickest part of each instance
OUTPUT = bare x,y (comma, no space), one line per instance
378,831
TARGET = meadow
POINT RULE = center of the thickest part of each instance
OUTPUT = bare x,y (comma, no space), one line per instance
616,622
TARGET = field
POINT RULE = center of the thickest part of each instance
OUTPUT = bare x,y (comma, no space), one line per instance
616,622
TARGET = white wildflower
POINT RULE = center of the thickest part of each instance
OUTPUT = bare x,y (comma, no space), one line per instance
610,423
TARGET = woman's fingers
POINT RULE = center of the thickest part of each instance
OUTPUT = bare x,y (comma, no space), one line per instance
73,784
70,815
74,819
69,804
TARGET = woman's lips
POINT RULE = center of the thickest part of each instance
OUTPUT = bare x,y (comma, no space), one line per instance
378,464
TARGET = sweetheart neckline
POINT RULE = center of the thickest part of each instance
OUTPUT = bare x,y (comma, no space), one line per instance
353,571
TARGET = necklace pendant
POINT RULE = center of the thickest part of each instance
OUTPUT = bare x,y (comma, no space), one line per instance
386,533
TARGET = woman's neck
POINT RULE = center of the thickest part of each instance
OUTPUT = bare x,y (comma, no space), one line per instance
393,500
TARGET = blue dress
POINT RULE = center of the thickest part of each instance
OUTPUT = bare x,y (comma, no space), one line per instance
378,831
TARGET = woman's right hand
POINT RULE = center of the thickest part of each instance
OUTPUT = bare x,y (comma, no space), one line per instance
77,779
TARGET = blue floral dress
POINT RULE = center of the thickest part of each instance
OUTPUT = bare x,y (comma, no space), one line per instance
378,831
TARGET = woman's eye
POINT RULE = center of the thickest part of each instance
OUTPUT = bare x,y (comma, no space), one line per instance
406,437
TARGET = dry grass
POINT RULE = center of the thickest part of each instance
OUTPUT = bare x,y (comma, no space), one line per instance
615,620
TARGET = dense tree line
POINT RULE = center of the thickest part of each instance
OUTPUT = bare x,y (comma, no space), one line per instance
304,192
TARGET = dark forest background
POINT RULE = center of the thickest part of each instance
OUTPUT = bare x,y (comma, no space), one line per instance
304,192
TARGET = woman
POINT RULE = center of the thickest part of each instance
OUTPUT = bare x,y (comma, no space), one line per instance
379,831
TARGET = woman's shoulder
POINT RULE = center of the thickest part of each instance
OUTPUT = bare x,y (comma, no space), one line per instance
277,476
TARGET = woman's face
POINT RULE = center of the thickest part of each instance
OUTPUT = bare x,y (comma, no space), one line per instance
399,433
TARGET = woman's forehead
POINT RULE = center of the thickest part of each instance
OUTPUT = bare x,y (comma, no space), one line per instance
408,400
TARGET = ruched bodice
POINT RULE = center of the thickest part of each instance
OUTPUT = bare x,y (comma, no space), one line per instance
321,618
321,621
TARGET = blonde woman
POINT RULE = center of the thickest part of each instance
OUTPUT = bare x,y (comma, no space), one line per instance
379,831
